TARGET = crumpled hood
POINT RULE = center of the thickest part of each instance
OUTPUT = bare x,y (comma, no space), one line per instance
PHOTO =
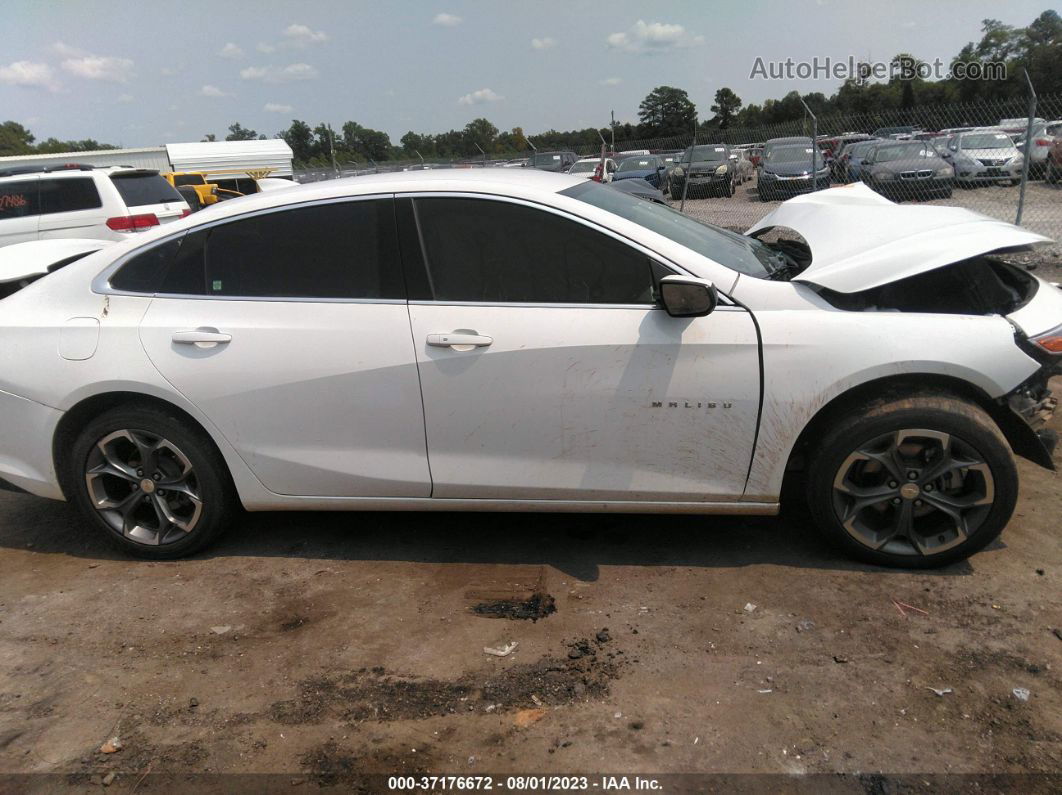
860,240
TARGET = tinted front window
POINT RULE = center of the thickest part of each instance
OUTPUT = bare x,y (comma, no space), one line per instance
138,190
498,252
69,195
342,250
18,199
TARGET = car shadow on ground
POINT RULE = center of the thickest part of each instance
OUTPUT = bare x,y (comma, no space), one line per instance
576,544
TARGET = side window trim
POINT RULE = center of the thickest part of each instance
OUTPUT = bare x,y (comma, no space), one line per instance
101,285
650,255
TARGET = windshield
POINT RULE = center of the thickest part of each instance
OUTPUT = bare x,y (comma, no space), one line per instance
793,154
639,164
584,167
737,252
886,154
986,141
188,179
709,153
545,160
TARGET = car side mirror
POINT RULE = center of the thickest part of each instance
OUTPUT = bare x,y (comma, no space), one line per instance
687,296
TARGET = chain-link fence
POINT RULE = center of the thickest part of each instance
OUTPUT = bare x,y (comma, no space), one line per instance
984,156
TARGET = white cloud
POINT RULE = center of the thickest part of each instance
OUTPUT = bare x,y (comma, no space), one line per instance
276,107
29,75
611,81
446,20
212,91
479,97
64,50
301,35
286,74
545,43
653,37
100,67
231,51
265,47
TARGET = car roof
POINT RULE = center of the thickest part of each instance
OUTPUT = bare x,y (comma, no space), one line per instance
519,183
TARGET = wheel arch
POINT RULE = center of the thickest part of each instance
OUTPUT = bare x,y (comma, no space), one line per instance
87,408
1021,438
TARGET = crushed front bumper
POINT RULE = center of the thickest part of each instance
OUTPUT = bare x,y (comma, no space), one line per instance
1029,408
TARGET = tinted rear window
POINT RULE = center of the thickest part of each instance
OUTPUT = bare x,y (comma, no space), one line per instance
68,195
138,190
341,250
18,199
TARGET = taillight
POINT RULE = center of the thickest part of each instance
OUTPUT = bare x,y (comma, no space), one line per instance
133,223
1050,341
185,213
1042,142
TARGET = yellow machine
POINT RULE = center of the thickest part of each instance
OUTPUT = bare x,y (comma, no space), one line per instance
199,193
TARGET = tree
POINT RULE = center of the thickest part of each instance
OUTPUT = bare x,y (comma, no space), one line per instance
666,111
15,139
299,137
239,133
370,144
726,106
519,139
482,133
208,138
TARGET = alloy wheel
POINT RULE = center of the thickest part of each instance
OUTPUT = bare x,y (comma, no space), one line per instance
144,487
913,492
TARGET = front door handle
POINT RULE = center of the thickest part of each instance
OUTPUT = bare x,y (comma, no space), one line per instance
459,340
203,337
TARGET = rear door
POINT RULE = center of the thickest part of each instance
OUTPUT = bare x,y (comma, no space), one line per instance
288,329
145,191
19,209
549,372
71,206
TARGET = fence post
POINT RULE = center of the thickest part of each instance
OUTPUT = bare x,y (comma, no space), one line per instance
689,163
1028,147
814,145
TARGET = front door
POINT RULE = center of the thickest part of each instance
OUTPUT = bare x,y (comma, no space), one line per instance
289,331
548,372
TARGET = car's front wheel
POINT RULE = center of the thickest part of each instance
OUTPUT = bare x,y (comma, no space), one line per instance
154,485
917,482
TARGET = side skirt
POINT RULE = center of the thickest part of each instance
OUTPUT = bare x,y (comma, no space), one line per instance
512,506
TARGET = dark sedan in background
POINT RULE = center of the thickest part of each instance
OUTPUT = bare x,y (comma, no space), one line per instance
648,167
786,171
907,170
708,168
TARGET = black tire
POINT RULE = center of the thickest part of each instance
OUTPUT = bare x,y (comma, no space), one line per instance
189,195
209,481
970,434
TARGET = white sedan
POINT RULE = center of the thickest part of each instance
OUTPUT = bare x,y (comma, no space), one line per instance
523,341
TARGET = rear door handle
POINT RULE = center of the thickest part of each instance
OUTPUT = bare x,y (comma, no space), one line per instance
459,340
203,337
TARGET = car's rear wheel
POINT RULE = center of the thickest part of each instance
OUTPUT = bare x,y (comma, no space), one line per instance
155,486
917,482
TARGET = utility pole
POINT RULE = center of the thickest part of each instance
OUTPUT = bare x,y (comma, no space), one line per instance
689,162
332,146
814,145
613,132
1028,147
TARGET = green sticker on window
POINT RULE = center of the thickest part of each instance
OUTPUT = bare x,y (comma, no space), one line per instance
216,285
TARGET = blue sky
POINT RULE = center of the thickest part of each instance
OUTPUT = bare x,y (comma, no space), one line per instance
145,73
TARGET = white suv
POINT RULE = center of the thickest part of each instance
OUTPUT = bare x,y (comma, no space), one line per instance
84,202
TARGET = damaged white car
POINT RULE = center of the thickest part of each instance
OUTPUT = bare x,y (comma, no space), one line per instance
500,340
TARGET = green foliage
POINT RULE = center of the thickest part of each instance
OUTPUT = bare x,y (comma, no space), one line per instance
666,111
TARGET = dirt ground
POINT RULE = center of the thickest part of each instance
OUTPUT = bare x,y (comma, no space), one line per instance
321,647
